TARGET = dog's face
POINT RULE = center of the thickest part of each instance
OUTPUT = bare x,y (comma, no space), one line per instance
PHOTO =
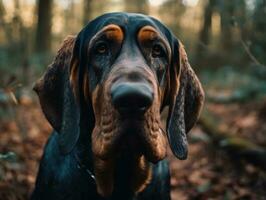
125,68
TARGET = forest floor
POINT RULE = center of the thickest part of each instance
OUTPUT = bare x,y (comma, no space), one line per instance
208,173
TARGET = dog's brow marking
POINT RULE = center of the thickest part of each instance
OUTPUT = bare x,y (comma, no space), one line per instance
114,32
147,33
111,31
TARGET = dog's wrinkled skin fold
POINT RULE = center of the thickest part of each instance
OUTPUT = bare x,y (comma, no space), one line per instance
103,95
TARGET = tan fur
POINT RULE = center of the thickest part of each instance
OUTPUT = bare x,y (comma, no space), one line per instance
73,78
153,136
86,90
104,133
106,137
114,32
104,173
147,33
142,174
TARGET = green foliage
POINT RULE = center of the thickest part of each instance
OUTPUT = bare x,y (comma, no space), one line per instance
9,157
230,85
258,35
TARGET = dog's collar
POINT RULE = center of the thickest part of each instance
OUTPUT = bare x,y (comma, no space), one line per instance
83,167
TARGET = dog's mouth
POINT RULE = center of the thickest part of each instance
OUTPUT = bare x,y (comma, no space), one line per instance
128,123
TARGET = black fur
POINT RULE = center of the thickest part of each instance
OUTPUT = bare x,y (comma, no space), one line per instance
61,177
63,172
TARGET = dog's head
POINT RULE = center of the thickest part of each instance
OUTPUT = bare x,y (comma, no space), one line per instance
117,75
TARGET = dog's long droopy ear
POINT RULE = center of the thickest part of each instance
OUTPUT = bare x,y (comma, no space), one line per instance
186,101
56,97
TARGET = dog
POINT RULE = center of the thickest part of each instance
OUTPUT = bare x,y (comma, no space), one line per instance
103,95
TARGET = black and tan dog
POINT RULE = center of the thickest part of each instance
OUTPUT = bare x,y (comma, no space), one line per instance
103,95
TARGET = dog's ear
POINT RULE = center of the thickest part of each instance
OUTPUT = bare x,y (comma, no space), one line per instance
56,94
185,103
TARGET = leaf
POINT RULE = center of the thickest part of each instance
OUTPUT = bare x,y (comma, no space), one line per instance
204,187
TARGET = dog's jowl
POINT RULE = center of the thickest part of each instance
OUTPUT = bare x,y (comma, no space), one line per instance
103,95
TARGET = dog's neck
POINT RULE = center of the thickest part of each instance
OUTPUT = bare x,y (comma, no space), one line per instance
132,173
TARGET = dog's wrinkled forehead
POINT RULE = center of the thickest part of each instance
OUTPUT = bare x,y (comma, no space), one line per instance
130,25
129,22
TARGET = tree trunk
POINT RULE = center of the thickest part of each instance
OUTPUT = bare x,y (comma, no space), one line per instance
226,12
258,36
204,35
136,6
44,33
2,12
3,25
87,11
205,31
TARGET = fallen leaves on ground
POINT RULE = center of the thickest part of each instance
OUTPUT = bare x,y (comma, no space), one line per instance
208,173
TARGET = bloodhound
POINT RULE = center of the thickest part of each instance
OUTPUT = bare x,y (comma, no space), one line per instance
103,95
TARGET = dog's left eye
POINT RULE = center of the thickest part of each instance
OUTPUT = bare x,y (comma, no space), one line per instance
157,51
101,48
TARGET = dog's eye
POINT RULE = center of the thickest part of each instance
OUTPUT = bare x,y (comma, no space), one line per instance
101,48
157,51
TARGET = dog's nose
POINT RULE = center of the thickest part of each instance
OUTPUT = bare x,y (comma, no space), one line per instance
131,96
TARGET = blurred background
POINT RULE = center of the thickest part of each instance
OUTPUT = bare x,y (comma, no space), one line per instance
226,45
